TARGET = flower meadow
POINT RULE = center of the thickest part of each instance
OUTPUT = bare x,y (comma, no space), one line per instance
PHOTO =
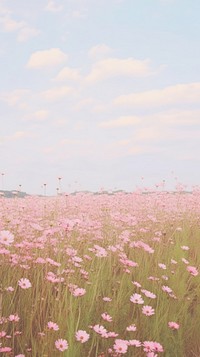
100,275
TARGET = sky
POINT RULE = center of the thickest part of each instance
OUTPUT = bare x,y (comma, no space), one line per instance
101,93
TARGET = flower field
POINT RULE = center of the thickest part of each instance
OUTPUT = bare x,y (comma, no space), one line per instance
100,275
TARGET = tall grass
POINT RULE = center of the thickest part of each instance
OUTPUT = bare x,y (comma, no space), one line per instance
112,246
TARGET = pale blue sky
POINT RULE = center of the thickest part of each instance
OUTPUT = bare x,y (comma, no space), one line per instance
99,93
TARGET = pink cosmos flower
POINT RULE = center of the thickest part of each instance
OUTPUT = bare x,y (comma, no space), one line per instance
5,349
6,237
120,346
100,329
148,294
173,325
24,283
136,299
162,266
82,336
79,292
107,299
14,318
52,326
136,284
2,334
192,270
185,247
166,289
148,310
61,344
131,328
106,317
20,355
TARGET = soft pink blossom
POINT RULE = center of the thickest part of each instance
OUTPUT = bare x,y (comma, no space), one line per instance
61,344
82,336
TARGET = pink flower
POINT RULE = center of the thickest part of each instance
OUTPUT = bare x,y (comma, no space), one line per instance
136,299
107,299
13,318
61,344
79,292
131,328
148,310
20,355
173,325
52,326
24,283
121,346
192,270
162,266
166,289
6,238
106,317
82,336
148,294
5,349
135,343
100,329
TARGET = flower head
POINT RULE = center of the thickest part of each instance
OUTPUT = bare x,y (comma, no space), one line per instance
61,344
24,283
82,336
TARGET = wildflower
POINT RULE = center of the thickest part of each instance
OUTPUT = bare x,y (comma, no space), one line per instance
24,283
79,292
121,346
52,326
148,294
106,317
185,247
6,237
14,318
5,349
148,310
2,334
20,355
100,329
185,261
166,289
107,299
136,299
192,270
135,343
173,325
162,266
131,328
82,336
61,344
136,284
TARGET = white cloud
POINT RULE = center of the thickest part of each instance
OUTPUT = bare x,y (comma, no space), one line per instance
113,67
53,7
179,93
99,51
58,93
10,25
68,73
15,97
18,135
123,121
47,58
26,33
